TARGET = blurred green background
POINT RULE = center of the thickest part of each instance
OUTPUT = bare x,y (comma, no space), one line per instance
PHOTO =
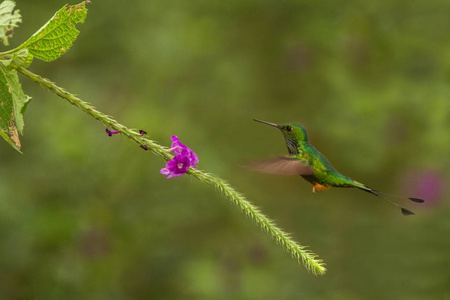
85,216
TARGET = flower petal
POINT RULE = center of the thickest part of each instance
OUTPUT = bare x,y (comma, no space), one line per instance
171,175
194,158
164,171
174,139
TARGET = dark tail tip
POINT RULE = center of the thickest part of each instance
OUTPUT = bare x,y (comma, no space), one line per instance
406,212
417,200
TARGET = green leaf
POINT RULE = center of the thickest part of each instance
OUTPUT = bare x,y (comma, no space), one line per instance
20,58
6,104
8,129
57,36
8,20
19,99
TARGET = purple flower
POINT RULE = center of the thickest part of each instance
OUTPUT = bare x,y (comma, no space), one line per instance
426,184
179,148
177,166
142,132
184,159
111,132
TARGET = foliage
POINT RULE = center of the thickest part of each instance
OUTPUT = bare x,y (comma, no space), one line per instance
48,44
57,36
9,19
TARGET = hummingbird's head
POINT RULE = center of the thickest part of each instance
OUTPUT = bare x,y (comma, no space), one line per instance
293,134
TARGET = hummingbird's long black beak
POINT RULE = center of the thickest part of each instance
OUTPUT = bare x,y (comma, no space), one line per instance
268,123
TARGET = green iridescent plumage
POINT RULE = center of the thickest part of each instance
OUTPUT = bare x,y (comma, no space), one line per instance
305,160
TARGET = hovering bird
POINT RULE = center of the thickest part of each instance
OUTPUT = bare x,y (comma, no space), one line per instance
313,166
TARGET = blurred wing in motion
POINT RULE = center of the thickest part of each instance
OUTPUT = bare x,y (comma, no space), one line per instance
282,166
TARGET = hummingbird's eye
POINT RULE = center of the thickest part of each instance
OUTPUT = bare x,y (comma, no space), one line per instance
288,128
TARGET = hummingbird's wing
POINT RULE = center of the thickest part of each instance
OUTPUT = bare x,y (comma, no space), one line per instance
282,166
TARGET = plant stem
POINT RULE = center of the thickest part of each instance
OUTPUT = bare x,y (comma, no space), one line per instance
309,259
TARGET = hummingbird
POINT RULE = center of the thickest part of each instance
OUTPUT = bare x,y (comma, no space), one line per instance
305,160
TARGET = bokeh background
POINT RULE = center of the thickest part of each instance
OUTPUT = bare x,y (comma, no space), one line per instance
85,216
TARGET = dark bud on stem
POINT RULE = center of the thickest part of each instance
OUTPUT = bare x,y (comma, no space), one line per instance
142,132
145,147
111,132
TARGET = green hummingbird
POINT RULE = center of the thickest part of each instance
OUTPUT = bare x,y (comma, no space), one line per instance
305,160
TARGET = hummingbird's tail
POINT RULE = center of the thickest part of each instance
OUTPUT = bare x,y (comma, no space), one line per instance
381,195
